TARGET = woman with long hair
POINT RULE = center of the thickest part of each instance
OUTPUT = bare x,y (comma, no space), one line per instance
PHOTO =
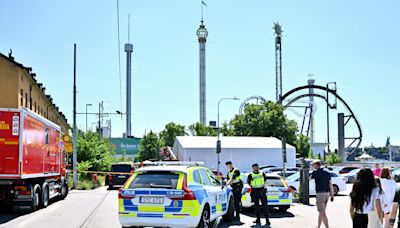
389,189
364,197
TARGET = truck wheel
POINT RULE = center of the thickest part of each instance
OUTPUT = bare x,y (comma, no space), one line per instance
64,191
230,213
45,195
36,197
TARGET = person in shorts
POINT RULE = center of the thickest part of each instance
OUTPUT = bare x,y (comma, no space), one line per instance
324,190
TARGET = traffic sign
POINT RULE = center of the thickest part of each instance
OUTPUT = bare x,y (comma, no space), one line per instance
68,147
66,138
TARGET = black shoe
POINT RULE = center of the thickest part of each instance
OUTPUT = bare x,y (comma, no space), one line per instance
268,222
237,217
257,221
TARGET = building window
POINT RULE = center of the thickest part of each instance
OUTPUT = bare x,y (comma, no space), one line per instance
26,99
21,98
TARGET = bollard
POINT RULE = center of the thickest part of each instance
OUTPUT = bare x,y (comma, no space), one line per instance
304,183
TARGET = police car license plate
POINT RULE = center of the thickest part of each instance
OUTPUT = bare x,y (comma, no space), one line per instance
152,199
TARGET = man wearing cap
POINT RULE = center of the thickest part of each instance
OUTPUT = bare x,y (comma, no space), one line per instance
257,180
237,186
324,190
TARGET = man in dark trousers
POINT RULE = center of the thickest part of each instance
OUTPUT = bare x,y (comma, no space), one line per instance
237,185
257,181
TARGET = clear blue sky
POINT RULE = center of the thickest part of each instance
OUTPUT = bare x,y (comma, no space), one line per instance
355,43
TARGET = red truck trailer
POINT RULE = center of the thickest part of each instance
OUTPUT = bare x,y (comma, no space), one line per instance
32,162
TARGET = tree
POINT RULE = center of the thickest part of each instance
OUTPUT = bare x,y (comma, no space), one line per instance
199,129
168,135
266,120
333,158
302,144
96,152
227,129
149,147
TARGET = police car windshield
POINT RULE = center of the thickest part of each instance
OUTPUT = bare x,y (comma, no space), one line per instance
155,180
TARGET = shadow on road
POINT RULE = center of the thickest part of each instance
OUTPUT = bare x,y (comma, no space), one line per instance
274,214
8,215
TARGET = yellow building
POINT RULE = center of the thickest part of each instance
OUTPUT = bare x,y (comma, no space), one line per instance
19,88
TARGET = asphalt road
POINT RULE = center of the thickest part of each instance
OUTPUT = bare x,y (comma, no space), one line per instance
98,208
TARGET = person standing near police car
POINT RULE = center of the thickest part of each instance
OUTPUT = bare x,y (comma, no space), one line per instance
237,185
256,180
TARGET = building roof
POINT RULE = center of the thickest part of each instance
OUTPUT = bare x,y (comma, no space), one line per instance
230,142
32,75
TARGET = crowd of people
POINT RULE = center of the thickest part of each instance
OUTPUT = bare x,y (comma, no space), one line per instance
374,199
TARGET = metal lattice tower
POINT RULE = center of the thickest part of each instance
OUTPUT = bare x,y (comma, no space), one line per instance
278,60
202,34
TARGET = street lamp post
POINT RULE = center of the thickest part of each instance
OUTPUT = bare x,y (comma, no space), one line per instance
87,113
219,130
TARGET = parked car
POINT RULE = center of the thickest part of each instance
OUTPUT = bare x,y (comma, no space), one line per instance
287,174
339,183
279,194
308,161
351,176
396,175
266,166
120,172
277,169
174,196
347,169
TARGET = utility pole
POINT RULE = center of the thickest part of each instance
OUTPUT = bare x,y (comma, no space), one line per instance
74,158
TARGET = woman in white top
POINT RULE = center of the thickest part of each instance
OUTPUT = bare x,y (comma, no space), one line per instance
365,198
389,189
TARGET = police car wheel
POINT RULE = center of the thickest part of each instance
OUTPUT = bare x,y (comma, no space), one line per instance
204,219
230,213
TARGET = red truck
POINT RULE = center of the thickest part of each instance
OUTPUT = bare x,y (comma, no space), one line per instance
32,161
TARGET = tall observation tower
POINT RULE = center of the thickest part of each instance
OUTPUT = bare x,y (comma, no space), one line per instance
278,60
202,34
128,50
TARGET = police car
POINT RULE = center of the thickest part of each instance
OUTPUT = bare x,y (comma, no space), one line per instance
279,194
174,196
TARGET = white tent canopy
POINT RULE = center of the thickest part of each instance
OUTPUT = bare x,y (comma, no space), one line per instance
241,150
364,156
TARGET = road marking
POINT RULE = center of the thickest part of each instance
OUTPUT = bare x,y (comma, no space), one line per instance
88,220
38,215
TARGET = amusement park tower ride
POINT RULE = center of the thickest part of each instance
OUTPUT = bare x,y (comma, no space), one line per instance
278,60
128,50
202,34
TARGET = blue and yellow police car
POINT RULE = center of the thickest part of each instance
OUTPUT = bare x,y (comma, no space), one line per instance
174,196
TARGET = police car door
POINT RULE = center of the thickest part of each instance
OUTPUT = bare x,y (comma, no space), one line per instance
211,193
221,194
